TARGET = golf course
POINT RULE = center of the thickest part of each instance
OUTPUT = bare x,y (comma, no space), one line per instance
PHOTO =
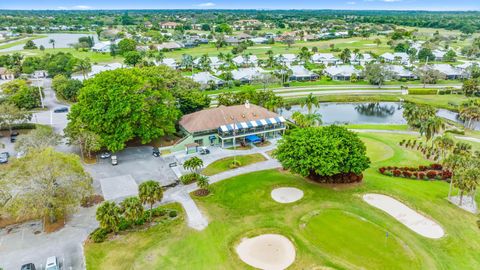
330,227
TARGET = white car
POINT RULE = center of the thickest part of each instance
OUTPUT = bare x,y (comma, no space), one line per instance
52,264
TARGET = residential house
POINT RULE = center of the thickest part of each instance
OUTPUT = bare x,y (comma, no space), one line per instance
6,75
450,72
215,62
342,72
230,125
232,41
103,46
325,58
398,57
400,72
286,59
259,40
361,59
169,62
40,74
170,46
169,25
300,73
439,55
244,37
206,80
245,61
98,69
247,75
148,24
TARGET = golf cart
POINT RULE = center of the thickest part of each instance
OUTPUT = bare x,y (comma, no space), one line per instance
204,151
114,160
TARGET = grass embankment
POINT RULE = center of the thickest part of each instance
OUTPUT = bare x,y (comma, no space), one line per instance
20,41
331,227
224,164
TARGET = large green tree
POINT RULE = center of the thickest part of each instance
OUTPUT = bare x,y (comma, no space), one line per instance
11,115
323,153
126,45
123,104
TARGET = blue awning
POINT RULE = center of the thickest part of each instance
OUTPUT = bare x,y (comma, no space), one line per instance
260,124
269,122
253,139
249,124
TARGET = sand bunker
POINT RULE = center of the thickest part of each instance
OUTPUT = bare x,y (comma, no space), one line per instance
286,194
267,251
405,215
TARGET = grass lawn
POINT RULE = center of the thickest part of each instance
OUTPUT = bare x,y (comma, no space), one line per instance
378,127
331,227
222,165
95,57
22,40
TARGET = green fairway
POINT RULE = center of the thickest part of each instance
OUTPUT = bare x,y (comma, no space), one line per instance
224,164
365,246
331,227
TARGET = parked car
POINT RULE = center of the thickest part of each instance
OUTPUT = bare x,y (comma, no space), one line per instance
155,152
204,151
52,264
28,266
4,157
105,155
61,110
114,160
13,136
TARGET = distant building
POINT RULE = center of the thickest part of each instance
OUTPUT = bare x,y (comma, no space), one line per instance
6,75
400,72
98,69
325,58
300,73
170,46
287,59
342,73
439,55
450,72
169,62
398,57
245,61
205,79
169,25
361,59
215,62
247,75
104,46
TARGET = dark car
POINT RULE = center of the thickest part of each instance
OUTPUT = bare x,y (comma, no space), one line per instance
13,136
155,152
28,266
61,110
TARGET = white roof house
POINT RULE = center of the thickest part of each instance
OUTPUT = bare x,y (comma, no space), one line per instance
246,61
449,71
205,79
343,72
98,69
361,59
439,54
400,72
391,57
170,46
324,58
215,62
103,46
248,74
169,62
259,40
300,73
286,58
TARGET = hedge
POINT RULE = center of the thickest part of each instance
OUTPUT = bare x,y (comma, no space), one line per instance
422,91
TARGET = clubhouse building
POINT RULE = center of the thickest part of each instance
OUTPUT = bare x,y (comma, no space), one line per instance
225,126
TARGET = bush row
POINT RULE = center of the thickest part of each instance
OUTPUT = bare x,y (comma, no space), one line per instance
432,172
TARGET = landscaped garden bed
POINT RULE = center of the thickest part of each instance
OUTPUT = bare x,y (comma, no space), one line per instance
432,172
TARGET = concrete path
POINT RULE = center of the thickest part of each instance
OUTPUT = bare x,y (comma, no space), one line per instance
471,139
195,218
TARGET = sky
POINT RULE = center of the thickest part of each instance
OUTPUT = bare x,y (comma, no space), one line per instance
244,4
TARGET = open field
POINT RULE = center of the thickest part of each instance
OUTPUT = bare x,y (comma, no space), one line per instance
224,164
328,227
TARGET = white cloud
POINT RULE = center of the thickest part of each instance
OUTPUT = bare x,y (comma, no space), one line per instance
351,3
208,4
81,7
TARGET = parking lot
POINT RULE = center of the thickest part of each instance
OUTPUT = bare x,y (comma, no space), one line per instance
134,164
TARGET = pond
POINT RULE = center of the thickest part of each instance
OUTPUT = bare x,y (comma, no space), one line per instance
62,40
364,113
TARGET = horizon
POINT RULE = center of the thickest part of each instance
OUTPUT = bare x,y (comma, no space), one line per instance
346,5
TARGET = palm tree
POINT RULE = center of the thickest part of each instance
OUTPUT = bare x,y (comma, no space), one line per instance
452,163
159,57
108,215
193,164
305,55
306,120
431,127
310,102
271,59
205,62
150,192
203,182
84,66
132,209
187,61
52,41
445,143
469,115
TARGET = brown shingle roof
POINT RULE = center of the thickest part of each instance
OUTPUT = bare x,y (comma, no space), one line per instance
213,118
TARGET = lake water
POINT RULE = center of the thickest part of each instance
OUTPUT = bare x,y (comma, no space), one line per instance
62,40
364,113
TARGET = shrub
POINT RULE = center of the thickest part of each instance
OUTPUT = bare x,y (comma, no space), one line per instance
396,173
124,224
421,175
382,170
159,212
189,178
99,235
173,214
431,174
436,166
407,174
235,164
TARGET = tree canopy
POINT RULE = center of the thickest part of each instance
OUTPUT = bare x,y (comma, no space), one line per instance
322,152
123,104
